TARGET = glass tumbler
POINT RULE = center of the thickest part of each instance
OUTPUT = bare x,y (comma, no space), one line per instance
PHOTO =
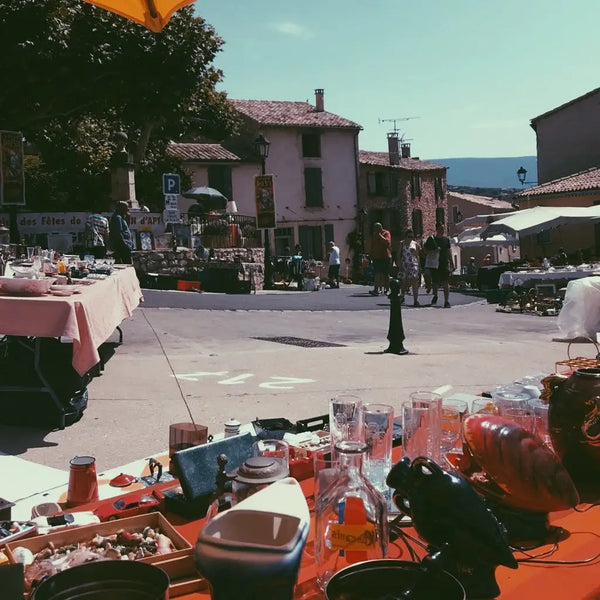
345,419
432,405
378,426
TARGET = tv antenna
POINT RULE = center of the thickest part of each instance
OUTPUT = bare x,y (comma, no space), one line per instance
395,121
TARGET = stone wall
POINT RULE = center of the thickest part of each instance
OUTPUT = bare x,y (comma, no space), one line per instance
184,264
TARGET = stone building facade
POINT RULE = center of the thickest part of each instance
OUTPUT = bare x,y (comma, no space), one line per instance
400,192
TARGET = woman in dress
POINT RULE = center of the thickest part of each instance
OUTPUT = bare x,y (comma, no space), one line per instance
409,265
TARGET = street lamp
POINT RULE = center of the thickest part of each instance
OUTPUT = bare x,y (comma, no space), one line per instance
262,144
522,175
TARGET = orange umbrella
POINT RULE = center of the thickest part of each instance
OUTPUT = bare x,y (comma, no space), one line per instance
153,14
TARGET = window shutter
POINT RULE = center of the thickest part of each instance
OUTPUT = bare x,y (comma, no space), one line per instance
219,177
417,222
440,216
329,237
313,186
371,183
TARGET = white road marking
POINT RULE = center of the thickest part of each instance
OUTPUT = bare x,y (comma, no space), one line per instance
196,376
280,385
238,380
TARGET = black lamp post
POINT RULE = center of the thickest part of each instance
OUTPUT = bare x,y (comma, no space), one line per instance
262,145
522,175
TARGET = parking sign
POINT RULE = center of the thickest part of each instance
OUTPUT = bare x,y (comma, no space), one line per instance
171,183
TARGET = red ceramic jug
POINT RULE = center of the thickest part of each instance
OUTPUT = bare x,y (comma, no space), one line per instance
83,483
574,423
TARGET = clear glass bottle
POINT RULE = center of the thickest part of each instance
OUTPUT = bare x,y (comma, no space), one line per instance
351,517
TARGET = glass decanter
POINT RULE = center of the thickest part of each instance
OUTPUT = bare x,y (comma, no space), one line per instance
351,517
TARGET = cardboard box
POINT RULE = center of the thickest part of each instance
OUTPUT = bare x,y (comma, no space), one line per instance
179,565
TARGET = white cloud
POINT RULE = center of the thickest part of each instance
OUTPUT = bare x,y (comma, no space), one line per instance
293,29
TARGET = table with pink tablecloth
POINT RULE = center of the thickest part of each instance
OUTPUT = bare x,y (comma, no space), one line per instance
88,318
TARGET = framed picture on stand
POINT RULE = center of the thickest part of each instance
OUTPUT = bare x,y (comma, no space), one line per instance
146,240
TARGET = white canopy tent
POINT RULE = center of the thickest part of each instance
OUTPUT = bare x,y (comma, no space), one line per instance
472,238
539,218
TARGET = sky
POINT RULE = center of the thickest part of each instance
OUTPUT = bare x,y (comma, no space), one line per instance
462,78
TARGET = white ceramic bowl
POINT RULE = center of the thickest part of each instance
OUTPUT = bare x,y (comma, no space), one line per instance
17,286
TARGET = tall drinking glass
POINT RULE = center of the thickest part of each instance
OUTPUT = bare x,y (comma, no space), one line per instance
378,426
345,420
432,403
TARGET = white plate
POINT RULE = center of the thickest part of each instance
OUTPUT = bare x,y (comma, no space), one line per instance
61,288
62,292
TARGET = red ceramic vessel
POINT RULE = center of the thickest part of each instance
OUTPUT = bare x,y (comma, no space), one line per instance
574,423
83,482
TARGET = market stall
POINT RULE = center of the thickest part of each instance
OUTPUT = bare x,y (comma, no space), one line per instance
36,327
578,549
554,276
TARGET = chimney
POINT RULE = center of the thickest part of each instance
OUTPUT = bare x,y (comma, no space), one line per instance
319,100
393,147
405,150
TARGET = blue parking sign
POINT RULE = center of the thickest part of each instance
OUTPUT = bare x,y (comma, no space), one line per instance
171,183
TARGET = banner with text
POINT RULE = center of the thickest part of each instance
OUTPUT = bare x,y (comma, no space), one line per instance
265,202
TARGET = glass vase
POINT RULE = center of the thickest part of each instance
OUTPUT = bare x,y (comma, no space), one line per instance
351,517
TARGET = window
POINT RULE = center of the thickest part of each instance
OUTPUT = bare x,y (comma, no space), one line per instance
415,185
311,240
440,215
439,188
417,222
284,238
219,177
329,236
311,145
377,183
456,215
313,187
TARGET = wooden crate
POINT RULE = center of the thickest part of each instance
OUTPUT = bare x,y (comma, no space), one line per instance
179,565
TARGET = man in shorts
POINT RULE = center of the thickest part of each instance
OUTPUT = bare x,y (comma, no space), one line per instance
441,276
381,253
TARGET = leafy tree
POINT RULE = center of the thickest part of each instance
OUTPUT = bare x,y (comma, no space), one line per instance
72,75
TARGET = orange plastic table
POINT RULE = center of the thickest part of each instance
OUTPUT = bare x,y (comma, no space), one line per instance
545,581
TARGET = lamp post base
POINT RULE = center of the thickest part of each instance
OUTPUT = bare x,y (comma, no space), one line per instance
268,283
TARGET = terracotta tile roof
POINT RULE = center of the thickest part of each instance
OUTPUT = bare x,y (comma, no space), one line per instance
382,159
584,181
482,200
200,152
290,114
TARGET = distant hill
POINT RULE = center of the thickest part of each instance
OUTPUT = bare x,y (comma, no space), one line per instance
488,172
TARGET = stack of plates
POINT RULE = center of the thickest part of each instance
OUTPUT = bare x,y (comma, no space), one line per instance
64,290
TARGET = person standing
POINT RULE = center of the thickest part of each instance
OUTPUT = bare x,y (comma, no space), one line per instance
120,236
96,235
381,253
334,265
409,267
440,276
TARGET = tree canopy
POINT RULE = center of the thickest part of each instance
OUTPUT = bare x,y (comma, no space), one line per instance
72,75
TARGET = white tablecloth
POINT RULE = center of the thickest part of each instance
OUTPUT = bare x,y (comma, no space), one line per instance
511,278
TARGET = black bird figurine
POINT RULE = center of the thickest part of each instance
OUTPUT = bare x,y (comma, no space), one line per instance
464,537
